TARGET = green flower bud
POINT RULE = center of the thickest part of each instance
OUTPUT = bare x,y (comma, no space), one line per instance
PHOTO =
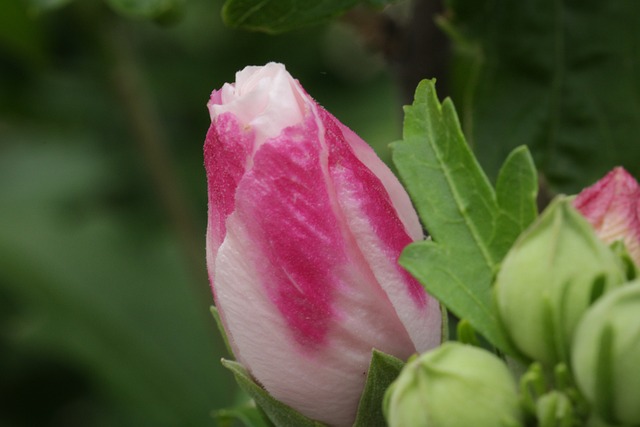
549,278
554,409
606,353
432,389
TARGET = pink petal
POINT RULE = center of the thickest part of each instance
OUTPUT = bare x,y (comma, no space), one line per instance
226,152
295,289
284,204
612,206
381,236
399,197
305,228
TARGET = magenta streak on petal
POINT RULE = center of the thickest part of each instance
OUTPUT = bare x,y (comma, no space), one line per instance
226,150
373,199
284,204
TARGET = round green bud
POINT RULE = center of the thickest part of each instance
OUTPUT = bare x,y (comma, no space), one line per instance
453,385
606,354
549,278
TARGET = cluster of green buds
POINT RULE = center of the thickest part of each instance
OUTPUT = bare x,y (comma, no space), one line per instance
569,303
606,354
549,278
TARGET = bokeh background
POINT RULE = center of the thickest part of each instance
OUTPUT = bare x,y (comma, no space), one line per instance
104,299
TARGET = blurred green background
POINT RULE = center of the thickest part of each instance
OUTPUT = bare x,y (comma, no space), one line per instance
104,299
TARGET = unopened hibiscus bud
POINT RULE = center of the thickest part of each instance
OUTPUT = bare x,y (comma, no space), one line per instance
549,278
454,385
606,353
612,206
305,228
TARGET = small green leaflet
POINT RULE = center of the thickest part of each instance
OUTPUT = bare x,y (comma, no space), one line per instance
472,226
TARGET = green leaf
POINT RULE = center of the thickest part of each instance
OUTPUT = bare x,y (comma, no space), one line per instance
631,269
279,413
516,191
248,415
277,16
604,387
460,210
145,8
560,77
383,370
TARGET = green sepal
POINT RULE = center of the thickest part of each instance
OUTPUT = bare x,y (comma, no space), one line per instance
249,415
278,413
465,333
383,370
554,409
216,317
604,387
631,269
445,333
533,384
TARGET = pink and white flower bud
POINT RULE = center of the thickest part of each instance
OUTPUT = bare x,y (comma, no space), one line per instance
612,206
305,228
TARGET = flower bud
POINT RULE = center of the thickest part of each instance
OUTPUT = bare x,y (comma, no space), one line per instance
606,353
305,228
451,386
549,278
555,409
612,206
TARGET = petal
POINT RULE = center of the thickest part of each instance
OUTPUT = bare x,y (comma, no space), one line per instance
226,153
294,289
612,206
595,202
284,204
399,197
381,236
265,98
